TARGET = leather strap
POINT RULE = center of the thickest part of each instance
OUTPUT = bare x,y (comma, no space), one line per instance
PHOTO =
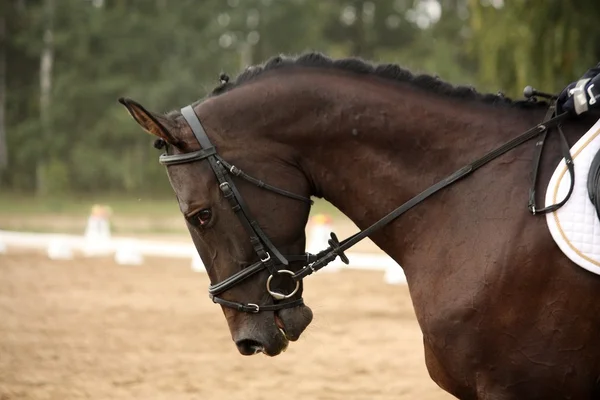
250,271
255,308
566,152
175,159
257,237
262,245
238,172
229,192
192,119
330,254
313,263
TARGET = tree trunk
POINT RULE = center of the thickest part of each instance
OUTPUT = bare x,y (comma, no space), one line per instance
20,5
360,46
3,51
46,61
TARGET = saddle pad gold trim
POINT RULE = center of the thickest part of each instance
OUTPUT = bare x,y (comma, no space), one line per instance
575,227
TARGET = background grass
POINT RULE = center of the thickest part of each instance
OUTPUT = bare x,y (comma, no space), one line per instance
130,214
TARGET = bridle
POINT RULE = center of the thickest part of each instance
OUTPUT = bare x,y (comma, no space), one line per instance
270,257
268,254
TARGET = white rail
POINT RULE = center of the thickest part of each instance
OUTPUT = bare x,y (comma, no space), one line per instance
56,243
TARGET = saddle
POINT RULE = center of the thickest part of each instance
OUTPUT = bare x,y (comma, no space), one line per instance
593,183
575,226
572,205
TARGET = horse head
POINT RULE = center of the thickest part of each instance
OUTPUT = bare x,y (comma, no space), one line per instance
245,204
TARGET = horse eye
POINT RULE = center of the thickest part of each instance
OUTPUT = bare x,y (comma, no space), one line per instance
204,216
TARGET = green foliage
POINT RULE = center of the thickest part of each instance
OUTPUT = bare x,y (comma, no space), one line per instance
545,44
57,177
168,54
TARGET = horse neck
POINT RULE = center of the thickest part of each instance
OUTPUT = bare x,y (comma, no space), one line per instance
369,148
367,145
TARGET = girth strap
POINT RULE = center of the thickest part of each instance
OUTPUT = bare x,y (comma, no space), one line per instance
566,153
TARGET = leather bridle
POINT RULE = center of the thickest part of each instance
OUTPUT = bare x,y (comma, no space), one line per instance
270,257
276,263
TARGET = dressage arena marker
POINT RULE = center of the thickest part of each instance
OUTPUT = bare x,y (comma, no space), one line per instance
320,228
197,264
97,240
97,232
59,249
153,248
128,253
394,275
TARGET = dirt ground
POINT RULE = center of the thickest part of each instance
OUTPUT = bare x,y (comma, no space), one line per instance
91,329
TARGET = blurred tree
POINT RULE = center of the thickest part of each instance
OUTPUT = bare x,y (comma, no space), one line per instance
545,44
64,129
422,35
439,33
46,62
362,28
100,52
21,95
3,45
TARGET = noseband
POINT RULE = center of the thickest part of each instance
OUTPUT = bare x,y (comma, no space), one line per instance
269,256
276,263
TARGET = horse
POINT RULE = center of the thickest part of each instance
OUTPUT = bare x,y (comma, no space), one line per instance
504,314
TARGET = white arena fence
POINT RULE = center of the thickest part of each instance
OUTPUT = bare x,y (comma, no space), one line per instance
131,251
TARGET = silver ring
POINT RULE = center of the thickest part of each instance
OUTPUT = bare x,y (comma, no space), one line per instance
280,296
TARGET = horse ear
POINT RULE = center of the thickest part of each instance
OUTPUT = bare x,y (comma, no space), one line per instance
152,123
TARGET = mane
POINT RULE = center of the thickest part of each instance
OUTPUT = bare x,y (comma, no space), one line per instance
359,66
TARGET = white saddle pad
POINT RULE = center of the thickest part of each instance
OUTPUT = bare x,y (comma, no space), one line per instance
575,226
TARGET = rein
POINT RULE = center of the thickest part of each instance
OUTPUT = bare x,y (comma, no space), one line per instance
551,120
272,259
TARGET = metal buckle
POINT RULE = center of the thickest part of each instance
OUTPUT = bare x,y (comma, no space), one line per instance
579,98
255,307
281,296
267,258
235,170
225,187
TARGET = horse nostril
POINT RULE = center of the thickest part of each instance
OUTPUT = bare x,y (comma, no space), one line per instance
248,347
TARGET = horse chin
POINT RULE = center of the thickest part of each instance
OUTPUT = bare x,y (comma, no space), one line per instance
293,321
277,345
290,324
